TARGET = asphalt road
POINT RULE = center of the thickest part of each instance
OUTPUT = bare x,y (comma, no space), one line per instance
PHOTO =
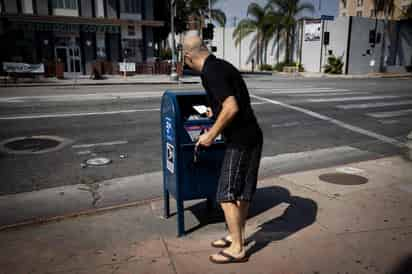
306,124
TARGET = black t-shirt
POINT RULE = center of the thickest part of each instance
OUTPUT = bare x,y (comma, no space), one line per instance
221,80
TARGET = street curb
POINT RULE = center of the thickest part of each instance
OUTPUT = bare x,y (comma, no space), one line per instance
87,212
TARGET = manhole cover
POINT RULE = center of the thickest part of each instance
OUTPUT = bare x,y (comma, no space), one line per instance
33,144
98,161
343,179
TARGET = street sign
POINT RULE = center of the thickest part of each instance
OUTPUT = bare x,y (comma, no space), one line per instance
327,17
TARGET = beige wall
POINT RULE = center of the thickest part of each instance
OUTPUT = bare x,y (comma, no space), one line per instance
367,7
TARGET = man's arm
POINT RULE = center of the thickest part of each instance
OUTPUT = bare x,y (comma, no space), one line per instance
229,110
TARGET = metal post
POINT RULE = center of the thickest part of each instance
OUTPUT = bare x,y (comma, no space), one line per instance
173,75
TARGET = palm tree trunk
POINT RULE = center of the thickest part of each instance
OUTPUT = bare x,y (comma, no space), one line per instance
287,45
278,45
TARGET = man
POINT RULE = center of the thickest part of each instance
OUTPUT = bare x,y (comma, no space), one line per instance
230,105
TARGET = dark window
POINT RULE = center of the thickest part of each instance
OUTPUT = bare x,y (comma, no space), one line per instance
65,4
130,30
360,3
359,13
373,13
131,6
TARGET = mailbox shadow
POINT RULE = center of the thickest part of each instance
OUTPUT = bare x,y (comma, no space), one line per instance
300,213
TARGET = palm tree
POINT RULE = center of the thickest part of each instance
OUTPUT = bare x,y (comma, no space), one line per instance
289,9
261,20
407,14
386,7
200,9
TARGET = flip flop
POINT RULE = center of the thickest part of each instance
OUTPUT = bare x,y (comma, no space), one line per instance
226,243
230,259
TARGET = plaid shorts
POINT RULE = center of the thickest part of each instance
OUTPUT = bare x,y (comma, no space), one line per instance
238,177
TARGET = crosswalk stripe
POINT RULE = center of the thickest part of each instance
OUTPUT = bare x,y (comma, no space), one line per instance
342,124
388,122
390,114
343,99
374,105
329,94
309,91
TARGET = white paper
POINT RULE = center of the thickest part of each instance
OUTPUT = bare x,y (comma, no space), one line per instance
201,109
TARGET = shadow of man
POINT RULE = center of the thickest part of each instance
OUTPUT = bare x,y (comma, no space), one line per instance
300,213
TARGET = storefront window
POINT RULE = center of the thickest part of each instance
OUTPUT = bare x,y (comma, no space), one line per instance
65,4
131,6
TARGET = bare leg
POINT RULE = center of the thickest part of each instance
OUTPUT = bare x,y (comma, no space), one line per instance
244,209
234,221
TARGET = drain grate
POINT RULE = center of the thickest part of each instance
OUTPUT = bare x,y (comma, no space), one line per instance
33,144
343,179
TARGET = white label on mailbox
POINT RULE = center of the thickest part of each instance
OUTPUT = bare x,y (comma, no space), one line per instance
170,157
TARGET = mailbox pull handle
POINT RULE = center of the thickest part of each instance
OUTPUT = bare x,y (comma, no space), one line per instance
196,153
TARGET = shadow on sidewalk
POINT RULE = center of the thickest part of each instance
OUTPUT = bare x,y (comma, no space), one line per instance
300,213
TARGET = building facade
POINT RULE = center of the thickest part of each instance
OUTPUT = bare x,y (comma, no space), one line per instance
365,8
77,33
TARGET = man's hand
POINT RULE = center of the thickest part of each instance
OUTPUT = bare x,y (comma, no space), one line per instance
209,113
205,140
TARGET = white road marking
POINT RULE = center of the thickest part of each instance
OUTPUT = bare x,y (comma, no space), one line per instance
100,144
289,124
258,103
388,122
329,94
374,105
66,115
299,91
390,114
356,129
343,99
81,97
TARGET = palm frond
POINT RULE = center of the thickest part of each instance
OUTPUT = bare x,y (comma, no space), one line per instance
219,16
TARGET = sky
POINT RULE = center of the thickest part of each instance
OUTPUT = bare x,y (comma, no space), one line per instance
238,8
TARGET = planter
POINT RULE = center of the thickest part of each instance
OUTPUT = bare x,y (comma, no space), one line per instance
60,70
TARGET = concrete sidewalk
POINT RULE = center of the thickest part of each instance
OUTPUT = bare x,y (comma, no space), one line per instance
298,224
84,80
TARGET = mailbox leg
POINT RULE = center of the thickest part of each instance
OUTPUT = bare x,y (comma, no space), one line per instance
166,205
180,218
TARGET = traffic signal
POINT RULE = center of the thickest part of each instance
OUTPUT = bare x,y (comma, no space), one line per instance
208,32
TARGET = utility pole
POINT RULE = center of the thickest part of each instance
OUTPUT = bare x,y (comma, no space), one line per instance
173,74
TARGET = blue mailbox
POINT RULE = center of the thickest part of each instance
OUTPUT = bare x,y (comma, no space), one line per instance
183,177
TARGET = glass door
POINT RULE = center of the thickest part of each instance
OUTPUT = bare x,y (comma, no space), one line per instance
71,58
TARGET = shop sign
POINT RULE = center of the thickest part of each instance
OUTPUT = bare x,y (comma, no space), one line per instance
23,67
61,27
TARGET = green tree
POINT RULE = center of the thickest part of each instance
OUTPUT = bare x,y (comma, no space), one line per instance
407,14
261,20
200,8
289,9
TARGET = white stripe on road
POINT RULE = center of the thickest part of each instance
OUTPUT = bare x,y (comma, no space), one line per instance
375,105
258,103
343,99
66,115
388,122
100,144
310,91
329,94
390,114
380,137
289,124
81,97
